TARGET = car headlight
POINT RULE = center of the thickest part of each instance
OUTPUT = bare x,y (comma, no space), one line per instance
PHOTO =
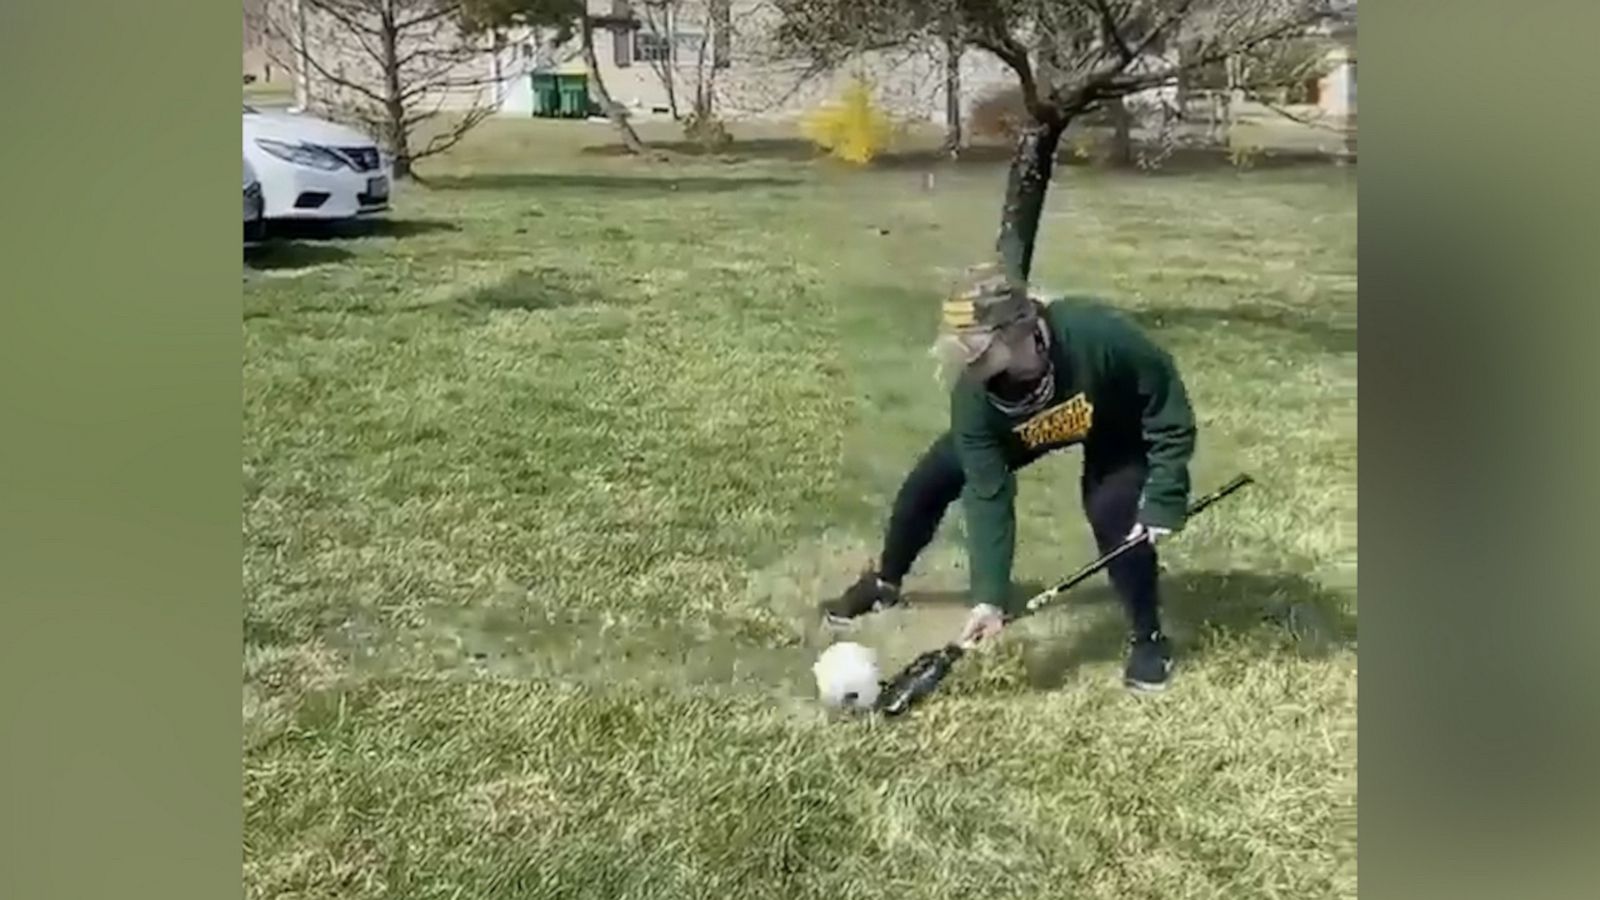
307,155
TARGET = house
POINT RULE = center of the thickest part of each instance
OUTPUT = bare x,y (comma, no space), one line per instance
654,59
1336,91
262,53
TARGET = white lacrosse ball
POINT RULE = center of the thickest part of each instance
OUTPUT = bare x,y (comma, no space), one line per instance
847,676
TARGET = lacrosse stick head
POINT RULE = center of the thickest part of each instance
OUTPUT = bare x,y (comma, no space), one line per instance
917,680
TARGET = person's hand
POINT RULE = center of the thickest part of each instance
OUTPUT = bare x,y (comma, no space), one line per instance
1151,533
983,623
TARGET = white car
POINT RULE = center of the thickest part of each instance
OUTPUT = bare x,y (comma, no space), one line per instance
313,169
254,224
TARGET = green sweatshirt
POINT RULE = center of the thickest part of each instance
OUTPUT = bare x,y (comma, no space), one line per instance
1116,393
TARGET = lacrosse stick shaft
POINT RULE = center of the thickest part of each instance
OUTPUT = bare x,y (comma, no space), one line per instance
923,676
1112,555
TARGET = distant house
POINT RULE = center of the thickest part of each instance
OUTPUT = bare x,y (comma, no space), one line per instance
1336,94
652,61
653,58
262,54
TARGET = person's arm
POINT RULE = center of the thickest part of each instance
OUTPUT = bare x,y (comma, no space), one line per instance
1168,427
988,499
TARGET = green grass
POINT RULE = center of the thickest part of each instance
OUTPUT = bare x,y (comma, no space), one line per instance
278,93
543,478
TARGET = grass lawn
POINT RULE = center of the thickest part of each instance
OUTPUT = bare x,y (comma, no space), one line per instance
544,476
278,93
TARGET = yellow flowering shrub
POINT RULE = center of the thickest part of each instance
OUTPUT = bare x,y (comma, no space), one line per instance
852,129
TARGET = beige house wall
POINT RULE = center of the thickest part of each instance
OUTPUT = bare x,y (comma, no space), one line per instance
260,48
755,84
908,83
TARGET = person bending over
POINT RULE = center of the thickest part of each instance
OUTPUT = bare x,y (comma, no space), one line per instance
1036,377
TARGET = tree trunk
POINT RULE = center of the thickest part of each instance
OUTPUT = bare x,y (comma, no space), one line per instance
1121,133
1185,82
630,138
666,69
952,95
705,86
672,95
302,59
1230,100
1032,164
394,107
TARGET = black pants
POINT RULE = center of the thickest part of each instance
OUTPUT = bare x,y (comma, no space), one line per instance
1110,494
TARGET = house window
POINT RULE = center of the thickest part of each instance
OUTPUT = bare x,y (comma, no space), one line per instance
689,44
651,47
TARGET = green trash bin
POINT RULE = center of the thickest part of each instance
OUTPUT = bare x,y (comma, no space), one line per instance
574,96
546,95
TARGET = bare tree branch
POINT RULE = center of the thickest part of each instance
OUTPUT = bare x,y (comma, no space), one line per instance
447,10
1299,119
1110,31
360,39
1163,28
658,16
1124,83
807,72
393,65
442,85
342,81
1015,56
348,15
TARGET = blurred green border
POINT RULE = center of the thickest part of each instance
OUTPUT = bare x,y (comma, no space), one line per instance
119,452
1479,727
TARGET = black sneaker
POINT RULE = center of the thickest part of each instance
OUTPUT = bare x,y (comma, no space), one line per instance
869,594
1149,663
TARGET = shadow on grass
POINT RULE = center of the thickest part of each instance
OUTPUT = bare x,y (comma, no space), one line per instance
1196,160
529,290
1183,160
776,149
1269,610
800,150
1326,336
288,256
619,184
377,227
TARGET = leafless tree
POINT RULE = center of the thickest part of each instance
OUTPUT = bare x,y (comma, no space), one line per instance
714,65
691,47
1070,57
953,50
613,109
564,19
401,68
742,69
656,18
